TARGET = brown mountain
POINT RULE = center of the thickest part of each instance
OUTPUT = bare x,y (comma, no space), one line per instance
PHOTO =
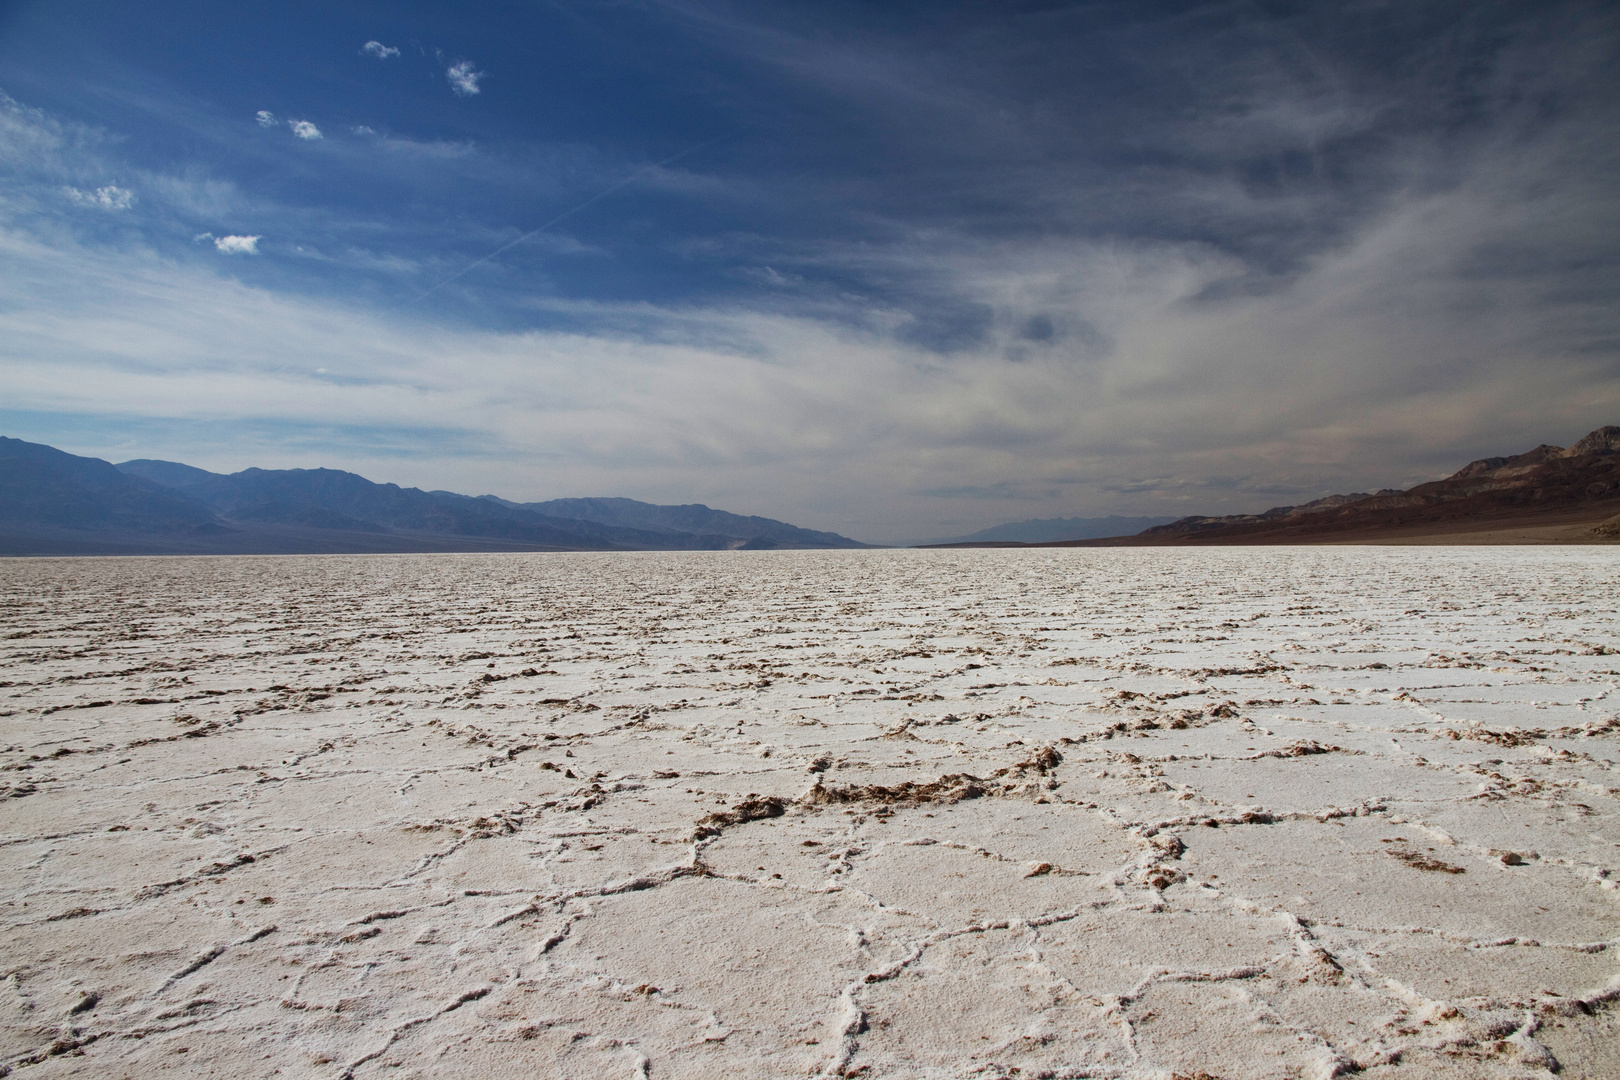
1550,486
1547,495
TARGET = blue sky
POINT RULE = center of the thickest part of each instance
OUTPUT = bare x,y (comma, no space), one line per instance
893,269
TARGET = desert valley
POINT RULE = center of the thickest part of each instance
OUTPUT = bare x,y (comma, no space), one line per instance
698,540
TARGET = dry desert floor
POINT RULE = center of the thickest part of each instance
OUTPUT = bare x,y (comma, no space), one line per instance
1233,813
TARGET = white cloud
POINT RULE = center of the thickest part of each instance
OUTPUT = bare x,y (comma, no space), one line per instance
463,77
267,118
379,50
304,129
363,129
110,197
238,245
769,276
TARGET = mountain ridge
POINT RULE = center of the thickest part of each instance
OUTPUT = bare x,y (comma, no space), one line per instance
54,502
1545,479
1039,530
688,517
1549,494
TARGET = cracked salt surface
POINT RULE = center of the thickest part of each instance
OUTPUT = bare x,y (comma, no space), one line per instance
1237,813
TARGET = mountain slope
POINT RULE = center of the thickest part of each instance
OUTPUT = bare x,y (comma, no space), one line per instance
332,499
692,518
1546,481
42,486
53,502
1041,530
342,500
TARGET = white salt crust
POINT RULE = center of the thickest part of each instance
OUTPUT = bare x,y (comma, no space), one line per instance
1061,813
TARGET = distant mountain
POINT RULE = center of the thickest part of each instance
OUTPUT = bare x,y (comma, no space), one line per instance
1041,530
692,518
1197,523
331,499
52,502
1549,494
42,486
1546,481
172,474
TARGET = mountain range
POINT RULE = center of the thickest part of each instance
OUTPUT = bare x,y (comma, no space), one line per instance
1041,530
55,503
1548,484
1549,494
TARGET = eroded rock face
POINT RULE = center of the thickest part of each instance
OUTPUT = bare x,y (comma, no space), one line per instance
1232,813
1604,439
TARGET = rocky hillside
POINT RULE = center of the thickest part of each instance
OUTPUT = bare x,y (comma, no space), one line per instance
1546,480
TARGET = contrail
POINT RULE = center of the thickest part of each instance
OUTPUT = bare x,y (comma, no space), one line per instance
598,197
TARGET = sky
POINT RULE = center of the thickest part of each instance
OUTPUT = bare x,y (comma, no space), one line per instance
900,270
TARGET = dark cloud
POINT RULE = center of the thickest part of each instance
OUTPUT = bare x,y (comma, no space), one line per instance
1038,328
948,327
1001,491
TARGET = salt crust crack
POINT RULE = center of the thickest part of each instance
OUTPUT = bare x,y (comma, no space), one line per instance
505,746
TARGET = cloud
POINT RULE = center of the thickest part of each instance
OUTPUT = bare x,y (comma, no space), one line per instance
767,275
238,245
359,259
304,129
1338,382
1038,328
1001,491
1218,320
110,197
379,50
266,118
463,78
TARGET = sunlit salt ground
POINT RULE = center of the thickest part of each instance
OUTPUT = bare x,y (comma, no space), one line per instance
1262,813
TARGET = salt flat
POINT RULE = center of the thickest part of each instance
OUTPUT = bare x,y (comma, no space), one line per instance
1133,813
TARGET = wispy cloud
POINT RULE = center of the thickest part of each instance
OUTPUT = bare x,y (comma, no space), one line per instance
238,245
379,50
110,197
304,129
463,78
1002,491
770,276
266,118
